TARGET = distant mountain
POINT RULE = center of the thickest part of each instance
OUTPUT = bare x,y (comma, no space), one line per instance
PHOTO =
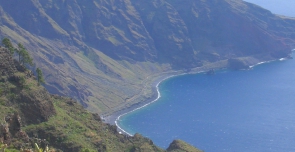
103,53
282,8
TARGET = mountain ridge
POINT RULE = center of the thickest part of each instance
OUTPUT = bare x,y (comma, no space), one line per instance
101,52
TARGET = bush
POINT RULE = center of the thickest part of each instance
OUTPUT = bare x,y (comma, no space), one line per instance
2,102
11,96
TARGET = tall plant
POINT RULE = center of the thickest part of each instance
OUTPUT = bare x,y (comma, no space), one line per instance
40,76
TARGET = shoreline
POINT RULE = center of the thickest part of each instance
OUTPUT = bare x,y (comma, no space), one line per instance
155,95
115,117
146,103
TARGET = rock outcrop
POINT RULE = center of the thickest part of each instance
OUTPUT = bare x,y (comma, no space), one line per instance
237,64
36,106
180,146
11,131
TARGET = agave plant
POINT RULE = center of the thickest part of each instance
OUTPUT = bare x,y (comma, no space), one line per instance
3,147
37,149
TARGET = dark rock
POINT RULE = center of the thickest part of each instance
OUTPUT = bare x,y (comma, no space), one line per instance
236,64
210,72
36,107
180,146
5,134
96,116
14,122
12,129
19,67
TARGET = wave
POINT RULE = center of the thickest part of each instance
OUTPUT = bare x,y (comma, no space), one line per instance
158,97
281,59
252,66
159,94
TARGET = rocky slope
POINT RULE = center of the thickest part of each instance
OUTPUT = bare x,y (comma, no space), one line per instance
29,115
102,52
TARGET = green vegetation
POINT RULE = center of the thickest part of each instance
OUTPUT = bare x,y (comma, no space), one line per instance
7,43
38,149
5,148
104,61
72,124
40,78
23,55
181,146
64,123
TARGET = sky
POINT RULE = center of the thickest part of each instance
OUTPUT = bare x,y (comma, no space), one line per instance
281,7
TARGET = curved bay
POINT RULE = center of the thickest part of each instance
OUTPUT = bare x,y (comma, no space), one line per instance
249,110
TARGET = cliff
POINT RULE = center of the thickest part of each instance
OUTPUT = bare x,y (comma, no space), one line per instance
29,115
102,53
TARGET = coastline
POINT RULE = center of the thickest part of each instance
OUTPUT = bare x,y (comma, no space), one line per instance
111,119
155,97
114,117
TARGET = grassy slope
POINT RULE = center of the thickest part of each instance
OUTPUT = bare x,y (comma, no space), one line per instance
73,128
66,125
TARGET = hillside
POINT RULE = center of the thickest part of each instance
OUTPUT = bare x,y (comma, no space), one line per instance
29,115
106,53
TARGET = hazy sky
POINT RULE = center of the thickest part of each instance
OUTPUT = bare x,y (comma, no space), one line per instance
282,7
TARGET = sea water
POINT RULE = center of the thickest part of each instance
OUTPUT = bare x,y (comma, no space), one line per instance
251,110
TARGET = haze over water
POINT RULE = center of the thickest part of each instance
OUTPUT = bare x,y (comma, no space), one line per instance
230,111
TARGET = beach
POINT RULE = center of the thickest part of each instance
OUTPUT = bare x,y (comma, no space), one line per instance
111,119
154,82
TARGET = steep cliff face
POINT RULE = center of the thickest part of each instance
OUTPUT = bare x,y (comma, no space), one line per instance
224,29
101,52
169,32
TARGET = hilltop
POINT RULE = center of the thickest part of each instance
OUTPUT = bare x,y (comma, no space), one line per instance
29,115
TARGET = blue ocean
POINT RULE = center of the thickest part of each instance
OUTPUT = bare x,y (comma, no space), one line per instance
231,111
251,110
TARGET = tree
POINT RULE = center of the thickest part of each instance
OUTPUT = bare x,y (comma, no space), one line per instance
40,76
23,55
19,51
22,82
6,42
26,58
